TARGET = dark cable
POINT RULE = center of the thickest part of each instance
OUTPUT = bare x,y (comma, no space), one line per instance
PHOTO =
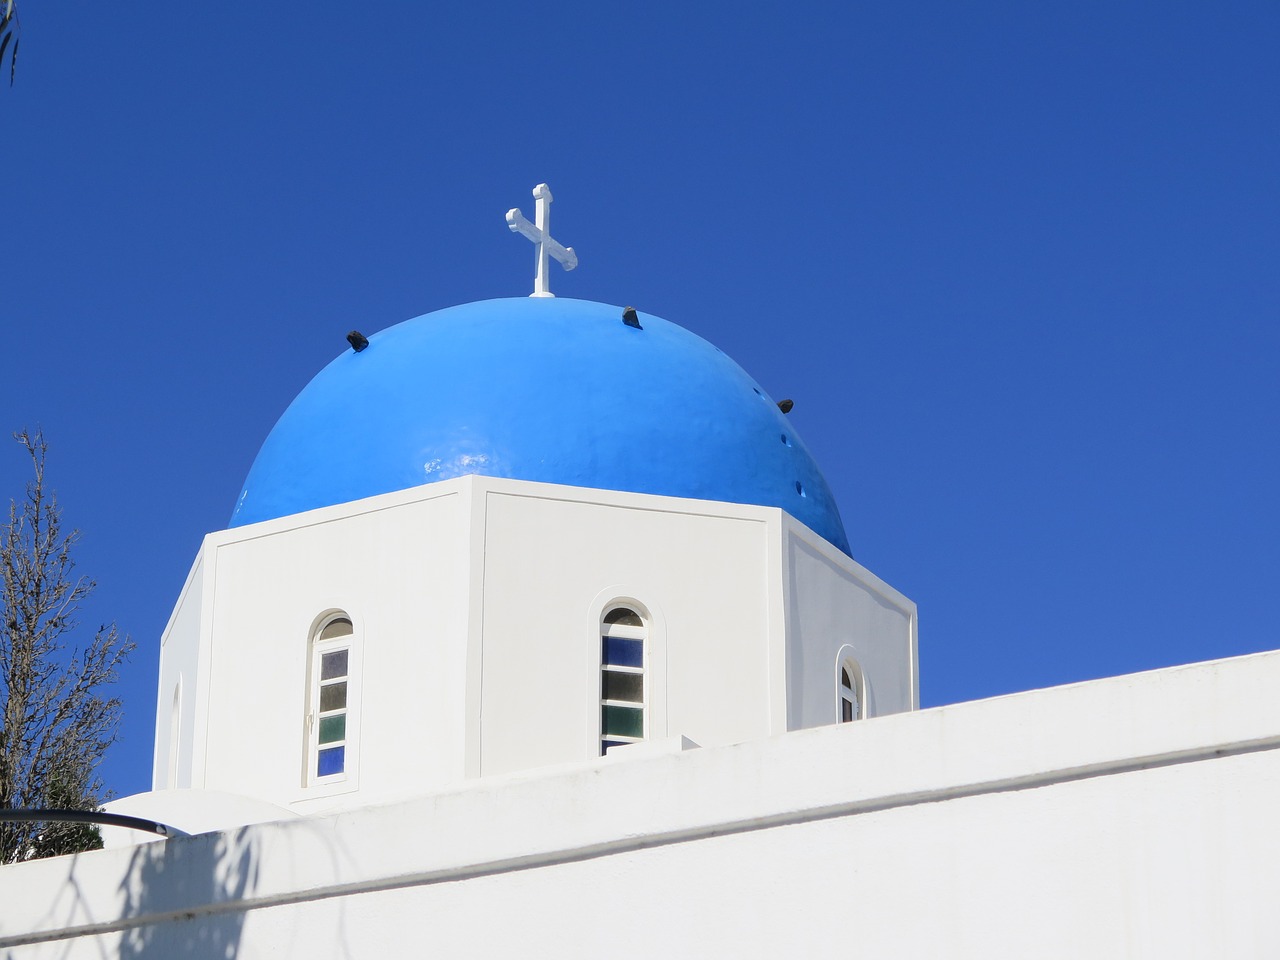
90,816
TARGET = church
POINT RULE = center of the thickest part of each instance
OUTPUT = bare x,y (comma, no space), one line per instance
535,631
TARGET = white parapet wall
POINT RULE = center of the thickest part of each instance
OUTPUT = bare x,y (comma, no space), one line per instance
1129,817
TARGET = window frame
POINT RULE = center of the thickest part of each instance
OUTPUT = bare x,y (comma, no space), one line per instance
856,689
318,647
641,633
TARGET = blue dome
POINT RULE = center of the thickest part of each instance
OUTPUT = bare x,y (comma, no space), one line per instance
546,389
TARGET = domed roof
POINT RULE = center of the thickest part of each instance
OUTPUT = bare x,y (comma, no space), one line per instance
545,389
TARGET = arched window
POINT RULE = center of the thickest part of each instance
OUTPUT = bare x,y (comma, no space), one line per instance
850,691
622,678
328,744
175,736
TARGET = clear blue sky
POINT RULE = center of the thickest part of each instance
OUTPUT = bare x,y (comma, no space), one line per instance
1016,263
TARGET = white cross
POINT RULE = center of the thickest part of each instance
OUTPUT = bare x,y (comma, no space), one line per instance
541,236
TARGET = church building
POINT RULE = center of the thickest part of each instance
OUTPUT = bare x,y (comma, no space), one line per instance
513,534
535,632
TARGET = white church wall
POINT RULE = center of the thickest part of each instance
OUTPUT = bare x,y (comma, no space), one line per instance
555,557
834,604
397,566
179,691
476,604
1130,817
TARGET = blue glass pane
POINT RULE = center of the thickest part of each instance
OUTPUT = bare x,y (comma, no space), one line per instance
606,745
623,653
331,761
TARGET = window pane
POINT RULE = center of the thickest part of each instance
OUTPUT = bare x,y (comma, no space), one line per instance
624,616
333,696
623,653
333,665
331,761
336,628
333,729
622,721
844,678
607,745
846,710
623,686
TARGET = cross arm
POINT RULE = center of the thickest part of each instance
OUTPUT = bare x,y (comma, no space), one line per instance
518,224
568,259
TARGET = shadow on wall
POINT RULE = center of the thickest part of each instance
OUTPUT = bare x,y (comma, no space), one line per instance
172,881
175,899
192,897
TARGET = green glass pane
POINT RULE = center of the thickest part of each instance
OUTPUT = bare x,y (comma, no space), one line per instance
622,721
333,696
333,729
623,686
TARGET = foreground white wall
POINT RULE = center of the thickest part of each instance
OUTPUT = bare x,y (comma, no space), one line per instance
1131,817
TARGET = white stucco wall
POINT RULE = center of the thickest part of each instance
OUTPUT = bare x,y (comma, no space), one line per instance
476,606
836,608
553,565
400,571
1131,817
272,592
181,645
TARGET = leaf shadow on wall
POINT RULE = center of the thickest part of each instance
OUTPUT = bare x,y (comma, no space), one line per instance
182,896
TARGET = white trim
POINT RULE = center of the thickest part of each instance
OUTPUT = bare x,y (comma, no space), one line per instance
485,486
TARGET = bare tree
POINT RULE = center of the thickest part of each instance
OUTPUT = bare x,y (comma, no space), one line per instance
10,27
57,721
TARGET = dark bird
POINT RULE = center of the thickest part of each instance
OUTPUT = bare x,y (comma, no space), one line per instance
357,340
785,405
630,319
